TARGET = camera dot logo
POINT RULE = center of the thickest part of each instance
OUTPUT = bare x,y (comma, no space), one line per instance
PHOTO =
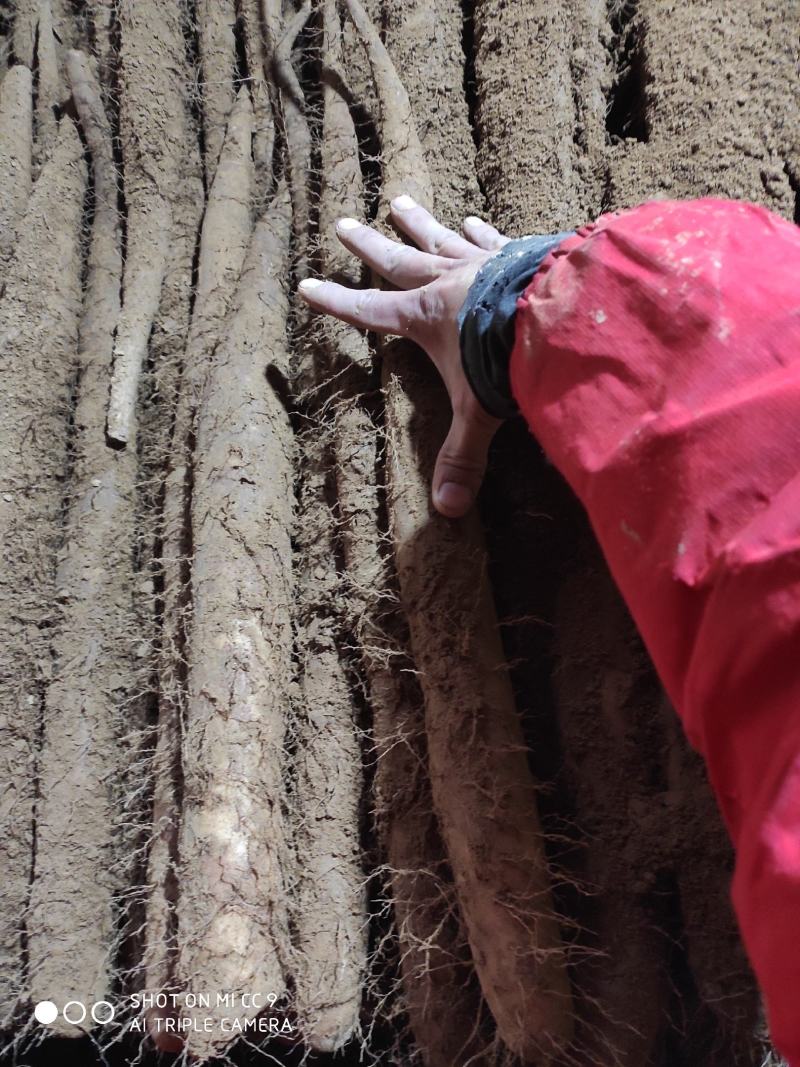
74,1012
45,1012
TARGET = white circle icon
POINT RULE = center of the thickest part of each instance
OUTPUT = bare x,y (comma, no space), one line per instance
45,1012
81,1008
96,1012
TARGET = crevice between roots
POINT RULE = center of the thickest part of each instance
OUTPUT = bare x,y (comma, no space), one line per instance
626,102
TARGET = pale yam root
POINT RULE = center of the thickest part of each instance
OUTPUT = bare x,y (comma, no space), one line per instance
329,907
70,923
424,39
101,15
39,315
481,785
235,867
167,346
16,147
153,80
49,91
442,1001
26,16
282,34
223,243
216,19
511,42
264,125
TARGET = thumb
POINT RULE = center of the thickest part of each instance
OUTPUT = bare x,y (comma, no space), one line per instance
461,464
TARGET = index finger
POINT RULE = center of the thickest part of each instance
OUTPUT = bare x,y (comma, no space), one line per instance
370,309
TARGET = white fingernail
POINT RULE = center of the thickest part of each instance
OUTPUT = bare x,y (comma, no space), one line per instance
310,283
473,220
404,202
347,224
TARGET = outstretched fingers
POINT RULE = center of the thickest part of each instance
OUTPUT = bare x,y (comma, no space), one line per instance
483,234
370,309
398,263
429,234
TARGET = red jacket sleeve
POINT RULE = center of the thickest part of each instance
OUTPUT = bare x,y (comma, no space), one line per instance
657,361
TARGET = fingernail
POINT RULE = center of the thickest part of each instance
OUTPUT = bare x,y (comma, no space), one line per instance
310,283
473,220
404,202
454,497
347,224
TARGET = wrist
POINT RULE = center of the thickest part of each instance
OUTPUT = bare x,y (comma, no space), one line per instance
486,319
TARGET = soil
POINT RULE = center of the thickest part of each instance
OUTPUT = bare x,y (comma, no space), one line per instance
249,751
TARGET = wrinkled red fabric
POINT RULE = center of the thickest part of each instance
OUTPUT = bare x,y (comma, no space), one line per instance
657,361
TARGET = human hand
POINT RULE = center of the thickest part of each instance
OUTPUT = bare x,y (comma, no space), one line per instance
432,282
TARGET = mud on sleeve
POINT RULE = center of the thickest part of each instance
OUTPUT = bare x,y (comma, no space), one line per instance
657,361
486,319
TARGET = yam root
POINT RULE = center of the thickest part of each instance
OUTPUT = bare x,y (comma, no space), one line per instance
76,872
223,242
232,908
49,91
163,513
216,20
482,789
152,120
39,315
16,135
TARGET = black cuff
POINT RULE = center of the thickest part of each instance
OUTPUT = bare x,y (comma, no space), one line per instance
486,318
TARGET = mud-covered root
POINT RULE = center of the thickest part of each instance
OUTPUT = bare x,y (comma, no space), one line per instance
404,166
26,16
16,145
482,789
329,906
282,32
49,91
481,785
223,243
235,867
86,722
39,314
264,128
153,81
425,41
216,19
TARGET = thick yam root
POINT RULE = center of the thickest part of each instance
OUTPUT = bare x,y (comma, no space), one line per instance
16,134
48,88
153,79
264,127
70,925
233,877
38,339
329,909
482,789
524,133
164,558
223,243
216,20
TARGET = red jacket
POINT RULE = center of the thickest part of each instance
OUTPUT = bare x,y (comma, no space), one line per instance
657,360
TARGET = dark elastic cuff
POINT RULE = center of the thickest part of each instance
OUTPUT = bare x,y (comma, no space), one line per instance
486,318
